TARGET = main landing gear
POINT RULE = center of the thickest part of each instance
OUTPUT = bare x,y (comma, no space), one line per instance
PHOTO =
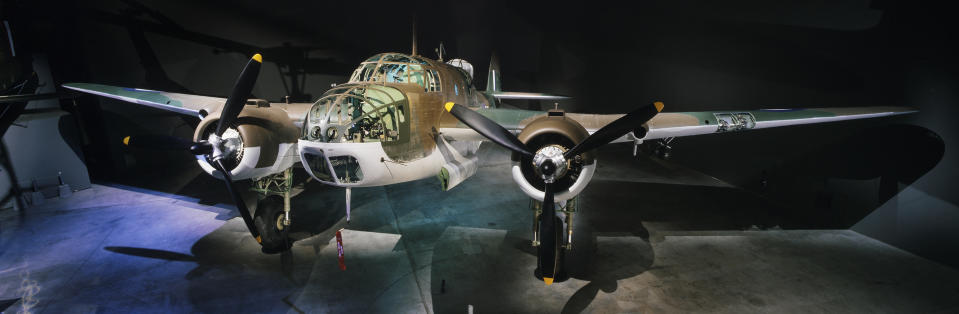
563,235
272,216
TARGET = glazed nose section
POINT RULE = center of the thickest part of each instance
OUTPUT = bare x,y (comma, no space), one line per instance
361,113
317,122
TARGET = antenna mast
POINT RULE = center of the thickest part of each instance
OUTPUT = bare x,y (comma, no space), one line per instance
414,35
440,52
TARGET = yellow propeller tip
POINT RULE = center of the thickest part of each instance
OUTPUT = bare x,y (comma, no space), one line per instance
126,141
659,106
258,239
258,58
548,280
449,106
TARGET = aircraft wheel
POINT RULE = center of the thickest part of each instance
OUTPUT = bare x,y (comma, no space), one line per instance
560,272
268,221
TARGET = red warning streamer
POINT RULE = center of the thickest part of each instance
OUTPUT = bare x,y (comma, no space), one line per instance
339,249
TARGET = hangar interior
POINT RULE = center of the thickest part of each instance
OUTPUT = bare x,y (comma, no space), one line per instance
852,216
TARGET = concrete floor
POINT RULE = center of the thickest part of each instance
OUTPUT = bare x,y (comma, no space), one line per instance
651,236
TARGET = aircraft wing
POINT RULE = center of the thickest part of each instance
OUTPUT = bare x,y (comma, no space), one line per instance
180,103
678,124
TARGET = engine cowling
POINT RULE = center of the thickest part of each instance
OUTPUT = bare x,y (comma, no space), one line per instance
558,131
265,139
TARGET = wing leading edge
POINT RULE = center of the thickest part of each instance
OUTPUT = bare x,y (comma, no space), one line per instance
186,104
180,103
695,123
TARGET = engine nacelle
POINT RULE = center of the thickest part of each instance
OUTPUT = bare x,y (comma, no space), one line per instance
553,129
267,140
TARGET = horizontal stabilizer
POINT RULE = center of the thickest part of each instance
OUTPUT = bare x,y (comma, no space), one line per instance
524,95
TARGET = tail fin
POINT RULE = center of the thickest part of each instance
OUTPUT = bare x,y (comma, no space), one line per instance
493,83
494,86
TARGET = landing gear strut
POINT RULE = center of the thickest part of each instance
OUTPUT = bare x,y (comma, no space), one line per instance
563,235
272,216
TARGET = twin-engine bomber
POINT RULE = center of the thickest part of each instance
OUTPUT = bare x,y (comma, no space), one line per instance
403,117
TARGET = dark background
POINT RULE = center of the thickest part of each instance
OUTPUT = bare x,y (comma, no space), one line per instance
894,183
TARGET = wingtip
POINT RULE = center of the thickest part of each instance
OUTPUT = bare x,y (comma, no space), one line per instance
258,58
659,106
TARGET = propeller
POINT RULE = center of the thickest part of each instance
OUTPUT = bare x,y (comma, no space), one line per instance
165,142
546,160
215,150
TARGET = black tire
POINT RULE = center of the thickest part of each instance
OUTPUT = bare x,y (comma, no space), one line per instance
560,273
269,211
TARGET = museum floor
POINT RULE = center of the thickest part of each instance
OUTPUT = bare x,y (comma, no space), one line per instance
650,237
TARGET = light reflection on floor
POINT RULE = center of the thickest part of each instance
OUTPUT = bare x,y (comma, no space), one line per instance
113,249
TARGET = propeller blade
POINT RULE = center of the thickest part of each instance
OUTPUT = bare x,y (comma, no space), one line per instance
164,142
547,233
487,128
616,129
240,205
201,148
154,141
241,91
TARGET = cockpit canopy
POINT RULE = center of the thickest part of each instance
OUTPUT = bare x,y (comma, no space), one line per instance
462,64
397,68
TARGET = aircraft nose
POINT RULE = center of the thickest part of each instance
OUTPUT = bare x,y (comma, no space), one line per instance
359,113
